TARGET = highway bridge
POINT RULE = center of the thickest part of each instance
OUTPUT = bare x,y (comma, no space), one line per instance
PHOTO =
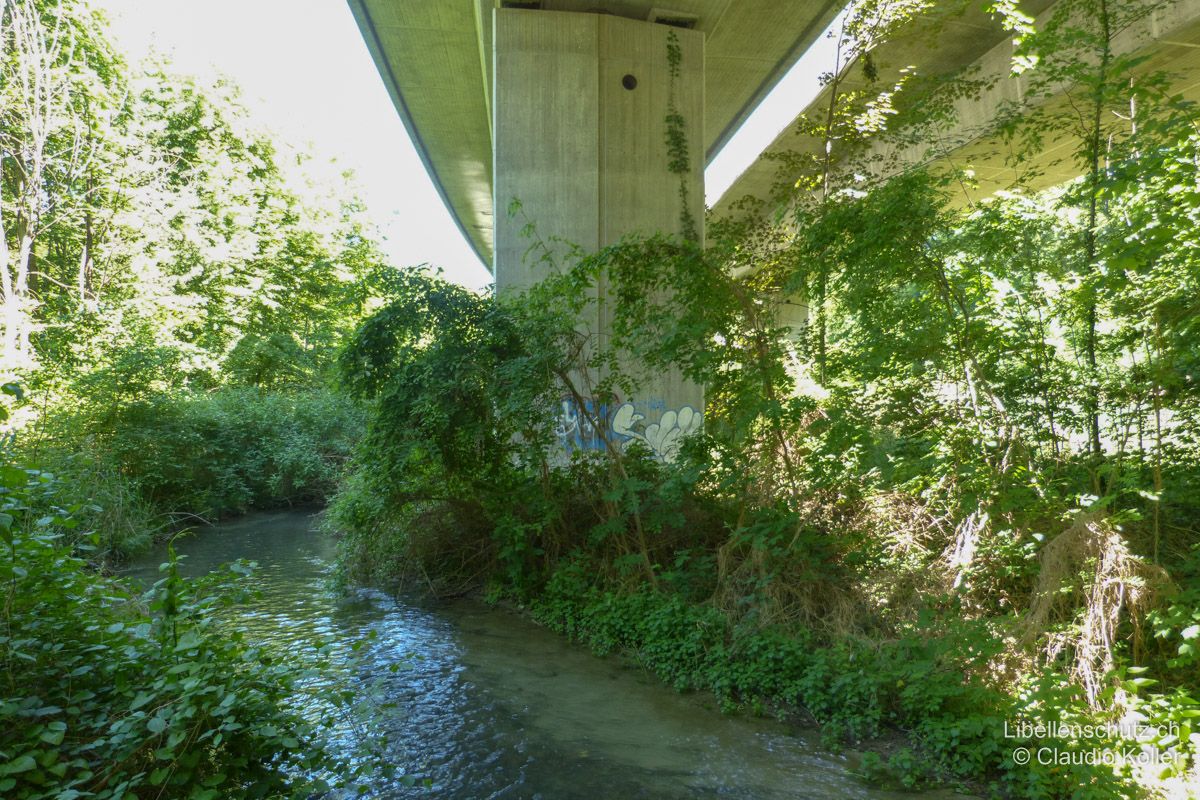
560,105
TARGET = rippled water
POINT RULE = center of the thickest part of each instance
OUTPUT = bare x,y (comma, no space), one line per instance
488,705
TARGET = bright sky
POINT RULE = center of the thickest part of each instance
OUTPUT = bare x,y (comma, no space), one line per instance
794,92
306,74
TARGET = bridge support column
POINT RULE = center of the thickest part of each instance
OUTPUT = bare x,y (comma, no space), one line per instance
579,127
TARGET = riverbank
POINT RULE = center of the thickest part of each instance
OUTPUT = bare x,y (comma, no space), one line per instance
147,467
910,700
870,547
111,692
748,680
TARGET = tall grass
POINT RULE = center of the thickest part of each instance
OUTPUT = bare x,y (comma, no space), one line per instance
173,459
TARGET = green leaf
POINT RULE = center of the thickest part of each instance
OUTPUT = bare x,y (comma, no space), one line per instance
19,764
13,477
189,641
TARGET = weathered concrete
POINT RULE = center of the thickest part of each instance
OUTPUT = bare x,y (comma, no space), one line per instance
435,58
975,47
580,103
585,157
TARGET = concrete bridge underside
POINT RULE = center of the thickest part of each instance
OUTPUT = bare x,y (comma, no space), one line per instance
972,46
561,105
437,59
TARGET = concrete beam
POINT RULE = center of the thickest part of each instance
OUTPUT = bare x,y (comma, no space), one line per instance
1170,37
428,55
435,59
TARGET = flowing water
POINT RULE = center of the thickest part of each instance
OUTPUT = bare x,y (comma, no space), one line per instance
482,703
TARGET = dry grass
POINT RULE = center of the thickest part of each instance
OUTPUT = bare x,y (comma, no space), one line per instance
904,538
908,531
1089,583
790,588
785,592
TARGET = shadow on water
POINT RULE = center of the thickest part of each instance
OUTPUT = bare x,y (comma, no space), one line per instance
485,704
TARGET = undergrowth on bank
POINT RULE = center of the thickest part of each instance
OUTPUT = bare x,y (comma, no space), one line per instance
149,467
926,683
108,693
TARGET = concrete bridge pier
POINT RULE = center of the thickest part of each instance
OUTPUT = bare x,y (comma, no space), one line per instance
579,123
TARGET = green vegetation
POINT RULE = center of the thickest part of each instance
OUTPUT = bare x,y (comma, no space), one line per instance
106,694
172,296
961,496
174,292
181,458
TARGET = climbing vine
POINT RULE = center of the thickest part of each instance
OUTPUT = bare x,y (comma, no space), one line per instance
678,158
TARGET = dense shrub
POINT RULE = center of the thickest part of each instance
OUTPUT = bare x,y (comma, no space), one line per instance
172,458
109,695
236,449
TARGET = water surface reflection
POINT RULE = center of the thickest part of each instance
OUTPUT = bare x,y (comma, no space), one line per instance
485,704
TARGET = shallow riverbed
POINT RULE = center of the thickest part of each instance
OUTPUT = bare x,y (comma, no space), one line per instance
485,704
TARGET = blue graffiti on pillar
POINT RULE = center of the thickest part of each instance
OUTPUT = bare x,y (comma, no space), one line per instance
576,429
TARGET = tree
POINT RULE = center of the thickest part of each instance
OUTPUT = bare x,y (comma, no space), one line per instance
55,76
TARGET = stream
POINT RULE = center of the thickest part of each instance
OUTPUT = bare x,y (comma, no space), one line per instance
482,703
